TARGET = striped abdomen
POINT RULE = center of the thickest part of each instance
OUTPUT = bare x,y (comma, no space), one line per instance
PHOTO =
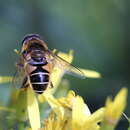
39,79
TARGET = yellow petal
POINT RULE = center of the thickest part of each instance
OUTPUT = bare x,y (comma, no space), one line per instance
97,116
92,121
57,73
67,102
21,105
55,105
114,110
33,109
68,57
90,73
5,79
41,98
120,101
80,113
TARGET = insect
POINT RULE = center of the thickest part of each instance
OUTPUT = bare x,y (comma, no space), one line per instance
37,63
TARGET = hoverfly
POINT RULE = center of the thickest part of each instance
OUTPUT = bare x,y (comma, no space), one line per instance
37,63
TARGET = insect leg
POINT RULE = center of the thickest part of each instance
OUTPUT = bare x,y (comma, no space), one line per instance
25,83
51,84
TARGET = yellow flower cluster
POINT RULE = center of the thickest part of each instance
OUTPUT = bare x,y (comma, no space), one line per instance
70,112
114,109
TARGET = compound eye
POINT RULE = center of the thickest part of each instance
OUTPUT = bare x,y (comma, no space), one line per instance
24,52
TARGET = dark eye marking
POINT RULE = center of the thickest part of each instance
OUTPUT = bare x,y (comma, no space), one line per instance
24,52
30,37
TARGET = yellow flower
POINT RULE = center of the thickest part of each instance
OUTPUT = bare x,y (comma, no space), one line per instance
71,114
114,109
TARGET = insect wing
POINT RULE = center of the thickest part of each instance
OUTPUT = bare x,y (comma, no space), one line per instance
64,65
18,77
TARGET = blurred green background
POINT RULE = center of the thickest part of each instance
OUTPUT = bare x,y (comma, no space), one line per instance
97,31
